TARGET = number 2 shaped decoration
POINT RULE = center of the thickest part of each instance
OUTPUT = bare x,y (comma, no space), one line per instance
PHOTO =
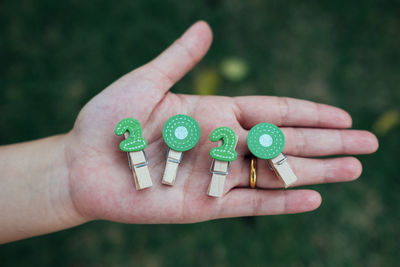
134,144
266,141
222,157
180,133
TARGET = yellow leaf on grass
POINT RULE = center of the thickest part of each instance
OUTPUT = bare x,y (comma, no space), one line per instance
386,122
206,82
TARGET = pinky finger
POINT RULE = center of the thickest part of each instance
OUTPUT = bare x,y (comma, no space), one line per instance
255,202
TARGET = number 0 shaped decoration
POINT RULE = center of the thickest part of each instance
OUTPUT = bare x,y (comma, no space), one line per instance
135,141
181,133
226,152
265,141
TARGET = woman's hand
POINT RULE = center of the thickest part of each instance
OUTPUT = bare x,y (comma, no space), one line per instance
101,185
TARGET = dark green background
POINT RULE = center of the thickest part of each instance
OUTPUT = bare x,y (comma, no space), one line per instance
56,55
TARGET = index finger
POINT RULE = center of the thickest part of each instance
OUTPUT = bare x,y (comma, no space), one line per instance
284,111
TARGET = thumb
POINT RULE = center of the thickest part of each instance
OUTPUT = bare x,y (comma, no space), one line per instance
178,59
154,79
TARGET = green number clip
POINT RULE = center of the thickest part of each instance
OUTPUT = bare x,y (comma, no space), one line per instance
265,141
180,133
134,141
222,158
225,152
134,144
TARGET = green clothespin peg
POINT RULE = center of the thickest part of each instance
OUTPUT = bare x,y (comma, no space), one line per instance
134,144
222,156
266,141
180,133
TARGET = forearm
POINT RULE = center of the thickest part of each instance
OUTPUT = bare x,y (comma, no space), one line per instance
34,190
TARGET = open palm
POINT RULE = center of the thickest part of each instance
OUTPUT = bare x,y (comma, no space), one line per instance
101,183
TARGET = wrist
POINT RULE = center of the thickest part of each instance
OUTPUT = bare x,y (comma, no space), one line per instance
61,195
34,192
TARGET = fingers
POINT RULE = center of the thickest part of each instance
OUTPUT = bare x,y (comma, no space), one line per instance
255,202
308,172
308,142
323,142
172,64
284,111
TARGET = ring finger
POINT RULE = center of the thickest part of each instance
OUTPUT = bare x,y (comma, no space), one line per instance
308,171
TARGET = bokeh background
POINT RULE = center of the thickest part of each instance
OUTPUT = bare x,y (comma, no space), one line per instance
56,55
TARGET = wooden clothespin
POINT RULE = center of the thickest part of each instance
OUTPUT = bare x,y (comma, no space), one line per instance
174,158
134,144
266,141
222,156
180,133
282,169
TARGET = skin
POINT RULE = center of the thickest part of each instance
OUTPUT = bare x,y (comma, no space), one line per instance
70,179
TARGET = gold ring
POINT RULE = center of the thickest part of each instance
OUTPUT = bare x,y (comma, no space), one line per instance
253,174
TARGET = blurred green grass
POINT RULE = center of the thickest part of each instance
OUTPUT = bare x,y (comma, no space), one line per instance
56,55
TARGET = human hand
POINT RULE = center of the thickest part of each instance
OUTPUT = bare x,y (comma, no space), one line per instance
101,184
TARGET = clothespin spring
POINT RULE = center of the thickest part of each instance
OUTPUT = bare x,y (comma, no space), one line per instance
138,165
219,172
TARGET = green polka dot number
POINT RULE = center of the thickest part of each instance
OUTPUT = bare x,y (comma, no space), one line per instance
265,141
181,132
135,141
225,152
